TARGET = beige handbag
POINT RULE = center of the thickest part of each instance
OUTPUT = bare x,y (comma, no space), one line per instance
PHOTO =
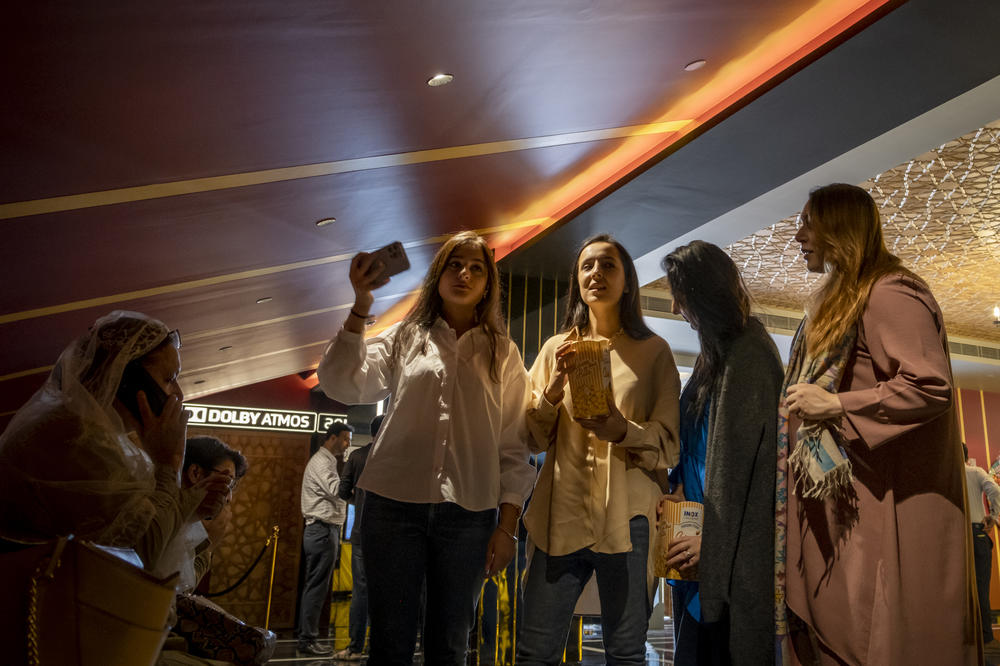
71,603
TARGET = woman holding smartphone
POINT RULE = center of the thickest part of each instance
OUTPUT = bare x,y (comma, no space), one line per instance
97,451
728,434
595,503
448,474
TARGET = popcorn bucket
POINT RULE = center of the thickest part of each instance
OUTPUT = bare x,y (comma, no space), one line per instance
590,379
679,519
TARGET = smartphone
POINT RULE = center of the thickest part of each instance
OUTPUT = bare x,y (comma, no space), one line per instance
393,257
136,378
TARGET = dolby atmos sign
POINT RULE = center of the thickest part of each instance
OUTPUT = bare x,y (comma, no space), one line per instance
251,418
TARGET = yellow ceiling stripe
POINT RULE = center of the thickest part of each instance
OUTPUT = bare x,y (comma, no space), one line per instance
232,277
25,373
168,289
229,181
279,320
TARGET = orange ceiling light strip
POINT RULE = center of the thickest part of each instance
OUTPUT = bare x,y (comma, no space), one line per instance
817,27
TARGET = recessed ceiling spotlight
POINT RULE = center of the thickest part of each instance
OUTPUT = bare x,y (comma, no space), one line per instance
265,299
440,80
695,64
199,381
225,347
325,221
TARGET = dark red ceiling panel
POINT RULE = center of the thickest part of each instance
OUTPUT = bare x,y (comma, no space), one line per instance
115,94
113,249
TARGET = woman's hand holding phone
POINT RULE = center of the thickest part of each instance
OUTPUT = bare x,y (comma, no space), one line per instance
163,435
366,276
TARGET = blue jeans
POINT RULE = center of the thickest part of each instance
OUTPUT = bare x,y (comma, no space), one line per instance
404,543
554,584
320,543
358,623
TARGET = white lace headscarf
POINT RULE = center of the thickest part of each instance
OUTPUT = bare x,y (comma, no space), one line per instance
67,464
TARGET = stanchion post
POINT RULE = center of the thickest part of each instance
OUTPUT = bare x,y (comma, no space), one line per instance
270,587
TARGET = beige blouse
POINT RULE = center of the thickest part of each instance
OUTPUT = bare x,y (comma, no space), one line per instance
589,489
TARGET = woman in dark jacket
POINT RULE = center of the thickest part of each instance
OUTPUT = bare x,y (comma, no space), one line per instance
728,453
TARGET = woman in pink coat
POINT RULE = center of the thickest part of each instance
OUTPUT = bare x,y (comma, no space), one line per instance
875,566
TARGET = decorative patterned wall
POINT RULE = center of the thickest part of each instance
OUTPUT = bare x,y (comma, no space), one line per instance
268,495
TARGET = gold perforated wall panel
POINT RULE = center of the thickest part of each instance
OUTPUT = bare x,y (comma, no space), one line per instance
268,495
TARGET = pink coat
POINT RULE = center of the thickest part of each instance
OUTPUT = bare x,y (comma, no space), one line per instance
891,582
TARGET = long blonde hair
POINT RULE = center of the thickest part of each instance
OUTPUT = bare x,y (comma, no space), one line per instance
847,227
429,303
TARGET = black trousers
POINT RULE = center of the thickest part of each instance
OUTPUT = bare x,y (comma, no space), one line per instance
320,543
982,550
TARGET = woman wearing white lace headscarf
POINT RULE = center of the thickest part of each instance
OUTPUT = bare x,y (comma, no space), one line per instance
97,457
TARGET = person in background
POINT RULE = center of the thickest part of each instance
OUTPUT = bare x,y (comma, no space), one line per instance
978,483
204,631
727,461
324,513
203,457
594,508
447,477
358,622
870,483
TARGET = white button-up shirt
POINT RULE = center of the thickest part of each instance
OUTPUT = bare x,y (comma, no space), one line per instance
977,482
451,434
320,484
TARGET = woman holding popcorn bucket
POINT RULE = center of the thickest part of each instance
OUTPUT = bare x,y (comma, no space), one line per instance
728,432
605,412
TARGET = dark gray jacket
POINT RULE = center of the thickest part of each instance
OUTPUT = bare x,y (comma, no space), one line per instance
737,553
349,487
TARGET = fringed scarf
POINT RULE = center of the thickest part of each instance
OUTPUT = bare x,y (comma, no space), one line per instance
821,467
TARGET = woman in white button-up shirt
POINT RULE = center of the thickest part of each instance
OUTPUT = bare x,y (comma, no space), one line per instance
450,454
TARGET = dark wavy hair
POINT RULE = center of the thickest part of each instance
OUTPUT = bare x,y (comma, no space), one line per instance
708,287
629,310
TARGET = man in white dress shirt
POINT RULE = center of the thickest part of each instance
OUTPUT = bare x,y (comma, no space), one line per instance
978,482
324,513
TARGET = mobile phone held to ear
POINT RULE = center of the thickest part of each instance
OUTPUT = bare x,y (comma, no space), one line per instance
393,257
136,378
